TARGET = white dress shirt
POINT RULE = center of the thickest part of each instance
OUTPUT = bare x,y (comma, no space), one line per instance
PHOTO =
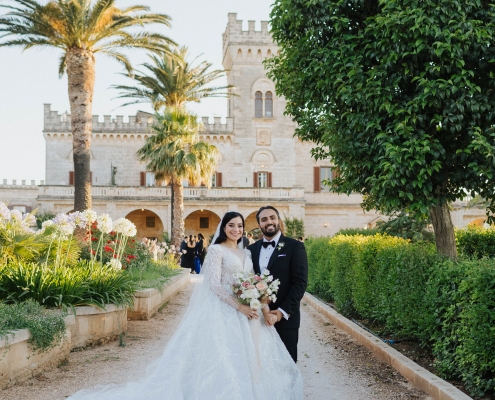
265,254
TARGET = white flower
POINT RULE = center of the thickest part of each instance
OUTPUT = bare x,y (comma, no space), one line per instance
4,211
46,224
184,251
251,294
172,247
104,223
90,216
28,220
80,219
255,303
125,227
273,298
269,279
64,224
16,216
266,272
115,264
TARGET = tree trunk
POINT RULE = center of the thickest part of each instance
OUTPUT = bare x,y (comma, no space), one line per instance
81,79
178,210
171,209
444,230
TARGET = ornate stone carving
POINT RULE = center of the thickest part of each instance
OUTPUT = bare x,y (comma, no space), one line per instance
263,137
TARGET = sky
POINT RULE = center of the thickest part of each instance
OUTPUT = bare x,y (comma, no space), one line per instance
28,79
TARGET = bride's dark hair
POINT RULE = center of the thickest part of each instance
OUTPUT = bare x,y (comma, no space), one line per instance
222,237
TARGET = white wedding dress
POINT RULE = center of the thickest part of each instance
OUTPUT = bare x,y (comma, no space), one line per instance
216,353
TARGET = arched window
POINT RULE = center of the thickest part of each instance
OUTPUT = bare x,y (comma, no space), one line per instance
258,105
268,105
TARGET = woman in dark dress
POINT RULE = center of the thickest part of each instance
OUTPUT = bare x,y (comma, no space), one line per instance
191,253
200,249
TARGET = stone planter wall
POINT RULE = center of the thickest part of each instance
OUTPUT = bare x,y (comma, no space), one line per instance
19,362
94,326
148,301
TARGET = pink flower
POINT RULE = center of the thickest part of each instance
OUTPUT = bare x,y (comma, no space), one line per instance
251,287
245,284
261,286
257,278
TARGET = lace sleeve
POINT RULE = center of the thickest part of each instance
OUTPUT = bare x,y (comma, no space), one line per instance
213,274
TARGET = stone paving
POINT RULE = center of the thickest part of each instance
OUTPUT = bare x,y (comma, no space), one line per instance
334,367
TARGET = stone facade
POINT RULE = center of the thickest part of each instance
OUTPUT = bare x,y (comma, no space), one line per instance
261,162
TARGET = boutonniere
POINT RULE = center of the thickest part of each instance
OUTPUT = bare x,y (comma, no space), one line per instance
280,246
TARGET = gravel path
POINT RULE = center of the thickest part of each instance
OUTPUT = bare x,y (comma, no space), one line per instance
334,367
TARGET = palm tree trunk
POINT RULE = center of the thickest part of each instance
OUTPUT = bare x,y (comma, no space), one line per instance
178,210
444,230
81,79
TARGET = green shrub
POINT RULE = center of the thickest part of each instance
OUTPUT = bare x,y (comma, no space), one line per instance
152,275
413,292
475,241
357,231
47,327
82,284
319,268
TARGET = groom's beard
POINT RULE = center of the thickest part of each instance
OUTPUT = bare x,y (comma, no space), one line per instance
272,232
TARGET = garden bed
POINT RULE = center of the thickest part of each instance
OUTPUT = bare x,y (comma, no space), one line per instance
94,326
18,360
148,301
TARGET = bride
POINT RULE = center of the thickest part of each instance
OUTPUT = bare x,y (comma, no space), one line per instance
222,349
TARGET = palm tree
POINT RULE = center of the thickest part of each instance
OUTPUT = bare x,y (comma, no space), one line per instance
174,153
81,28
172,81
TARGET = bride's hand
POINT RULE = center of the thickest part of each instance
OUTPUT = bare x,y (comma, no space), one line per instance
248,312
270,319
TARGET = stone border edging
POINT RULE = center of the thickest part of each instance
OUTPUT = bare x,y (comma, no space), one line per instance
148,301
431,384
20,335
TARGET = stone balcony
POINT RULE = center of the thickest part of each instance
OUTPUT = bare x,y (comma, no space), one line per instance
190,193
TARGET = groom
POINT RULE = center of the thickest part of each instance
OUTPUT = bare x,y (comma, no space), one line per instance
286,260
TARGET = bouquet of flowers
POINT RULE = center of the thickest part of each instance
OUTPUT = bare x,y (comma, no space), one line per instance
256,290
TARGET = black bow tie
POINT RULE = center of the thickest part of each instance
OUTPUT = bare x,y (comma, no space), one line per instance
266,244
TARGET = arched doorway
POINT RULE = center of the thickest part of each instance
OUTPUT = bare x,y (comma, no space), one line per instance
148,224
250,222
201,221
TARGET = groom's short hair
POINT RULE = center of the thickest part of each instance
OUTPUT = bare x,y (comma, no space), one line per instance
266,208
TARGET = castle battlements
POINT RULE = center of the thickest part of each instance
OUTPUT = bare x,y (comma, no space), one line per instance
55,122
58,125
234,34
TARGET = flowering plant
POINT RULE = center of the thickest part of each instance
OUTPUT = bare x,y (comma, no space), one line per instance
280,246
256,290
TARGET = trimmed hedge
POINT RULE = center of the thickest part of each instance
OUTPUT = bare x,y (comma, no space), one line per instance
476,241
415,293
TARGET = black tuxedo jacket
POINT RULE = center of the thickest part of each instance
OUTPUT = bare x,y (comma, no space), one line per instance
290,266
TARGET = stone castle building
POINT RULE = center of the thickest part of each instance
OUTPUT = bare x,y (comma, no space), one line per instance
261,161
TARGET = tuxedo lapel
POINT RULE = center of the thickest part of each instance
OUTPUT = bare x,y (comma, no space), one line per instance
256,256
275,253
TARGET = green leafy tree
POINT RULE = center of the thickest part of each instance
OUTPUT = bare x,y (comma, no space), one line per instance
174,152
294,227
399,94
81,29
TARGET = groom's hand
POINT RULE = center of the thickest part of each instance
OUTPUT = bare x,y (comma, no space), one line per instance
277,313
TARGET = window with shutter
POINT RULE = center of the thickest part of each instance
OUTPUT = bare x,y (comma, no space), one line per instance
142,179
263,179
255,179
269,180
316,179
71,177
